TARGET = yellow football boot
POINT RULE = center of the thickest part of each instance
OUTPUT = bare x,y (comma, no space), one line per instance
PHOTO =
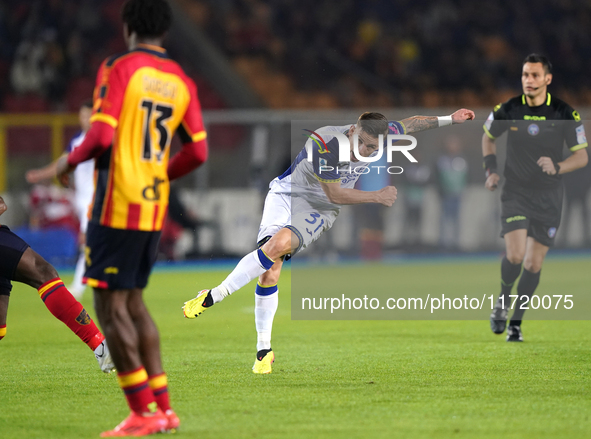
194,307
264,361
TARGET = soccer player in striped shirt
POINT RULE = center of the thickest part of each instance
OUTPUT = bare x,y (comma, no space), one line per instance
141,99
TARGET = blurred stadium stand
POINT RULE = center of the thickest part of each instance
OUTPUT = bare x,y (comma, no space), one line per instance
302,60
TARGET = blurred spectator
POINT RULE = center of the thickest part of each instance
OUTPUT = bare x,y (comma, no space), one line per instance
26,73
52,207
444,47
452,177
370,217
179,218
418,177
422,52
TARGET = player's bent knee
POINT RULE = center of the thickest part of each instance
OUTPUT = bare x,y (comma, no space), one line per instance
268,278
279,245
533,265
45,270
515,258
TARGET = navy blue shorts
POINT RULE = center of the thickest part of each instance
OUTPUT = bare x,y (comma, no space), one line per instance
11,250
118,259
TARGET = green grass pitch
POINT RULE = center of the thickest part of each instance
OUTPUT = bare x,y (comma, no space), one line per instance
331,379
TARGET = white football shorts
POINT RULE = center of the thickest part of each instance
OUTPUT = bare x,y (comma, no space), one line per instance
297,214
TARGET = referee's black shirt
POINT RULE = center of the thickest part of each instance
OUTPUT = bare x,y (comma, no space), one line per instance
535,132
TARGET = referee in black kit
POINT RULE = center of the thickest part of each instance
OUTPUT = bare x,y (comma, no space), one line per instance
538,124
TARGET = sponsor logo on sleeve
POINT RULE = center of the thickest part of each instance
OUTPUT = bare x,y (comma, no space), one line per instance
581,137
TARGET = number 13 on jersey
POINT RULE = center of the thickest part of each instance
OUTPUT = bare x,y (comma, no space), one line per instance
155,121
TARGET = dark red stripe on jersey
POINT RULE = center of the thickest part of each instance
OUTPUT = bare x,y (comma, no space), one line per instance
133,216
107,213
155,220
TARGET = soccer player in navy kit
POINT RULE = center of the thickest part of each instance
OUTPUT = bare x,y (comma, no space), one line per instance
538,125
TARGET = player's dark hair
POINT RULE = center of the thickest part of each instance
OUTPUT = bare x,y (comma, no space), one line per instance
86,104
373,124
147,18
537,58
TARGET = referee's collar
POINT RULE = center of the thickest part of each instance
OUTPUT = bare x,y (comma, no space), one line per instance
548,99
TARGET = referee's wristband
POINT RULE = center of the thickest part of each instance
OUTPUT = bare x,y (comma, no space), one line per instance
444,121
556,166
490,165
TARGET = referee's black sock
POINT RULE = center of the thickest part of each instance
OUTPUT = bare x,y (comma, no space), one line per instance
527,285
509,274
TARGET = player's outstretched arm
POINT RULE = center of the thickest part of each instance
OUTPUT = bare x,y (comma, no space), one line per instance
97,140
339,195
38,175
415,124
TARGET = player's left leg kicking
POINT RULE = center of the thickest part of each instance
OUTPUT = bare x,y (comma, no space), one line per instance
22,264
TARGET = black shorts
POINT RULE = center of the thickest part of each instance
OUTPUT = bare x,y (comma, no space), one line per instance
119,259
11,250
538,211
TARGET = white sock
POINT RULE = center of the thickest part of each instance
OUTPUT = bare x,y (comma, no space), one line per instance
264,312
250,267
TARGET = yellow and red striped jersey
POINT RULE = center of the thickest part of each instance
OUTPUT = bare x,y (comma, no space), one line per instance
146,98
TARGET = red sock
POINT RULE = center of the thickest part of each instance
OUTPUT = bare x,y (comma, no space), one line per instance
2,331
159,385
137,391
60,302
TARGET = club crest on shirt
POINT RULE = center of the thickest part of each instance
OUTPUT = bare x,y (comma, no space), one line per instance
533,129
551,232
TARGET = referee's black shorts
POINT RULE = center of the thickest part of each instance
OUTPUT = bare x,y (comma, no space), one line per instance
11,250
118,259
537,210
